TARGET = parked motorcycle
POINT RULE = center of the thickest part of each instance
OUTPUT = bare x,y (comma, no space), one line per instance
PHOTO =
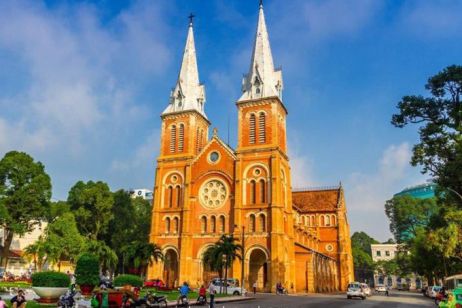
201,300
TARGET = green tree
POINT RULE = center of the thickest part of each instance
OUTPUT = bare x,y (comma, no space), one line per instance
439,118
362,258
25,192
408,214
106,256
140,254
91,204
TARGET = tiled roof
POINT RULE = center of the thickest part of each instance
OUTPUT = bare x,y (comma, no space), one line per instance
316,200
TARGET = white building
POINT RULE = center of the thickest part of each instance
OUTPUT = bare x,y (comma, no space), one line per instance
386,252
141,192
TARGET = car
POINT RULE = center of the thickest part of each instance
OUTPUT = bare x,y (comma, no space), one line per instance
366,289
433,290
218,285
354,290
380,288
456,299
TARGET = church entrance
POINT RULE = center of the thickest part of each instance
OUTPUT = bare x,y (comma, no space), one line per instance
170,275
258,270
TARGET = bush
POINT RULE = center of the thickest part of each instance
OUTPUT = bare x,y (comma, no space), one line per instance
132,280
87,270
50,279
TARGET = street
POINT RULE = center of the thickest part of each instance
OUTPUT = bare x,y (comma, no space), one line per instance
396,300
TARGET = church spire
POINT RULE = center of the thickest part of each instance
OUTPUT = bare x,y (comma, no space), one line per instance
262,79
188,93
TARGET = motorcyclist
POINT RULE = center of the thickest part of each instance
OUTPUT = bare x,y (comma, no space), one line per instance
184,291
202,294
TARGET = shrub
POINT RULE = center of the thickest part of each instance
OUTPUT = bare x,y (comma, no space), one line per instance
87,270
50,279
132,280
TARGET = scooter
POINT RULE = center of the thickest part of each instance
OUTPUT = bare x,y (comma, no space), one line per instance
201,300
151,300
183,301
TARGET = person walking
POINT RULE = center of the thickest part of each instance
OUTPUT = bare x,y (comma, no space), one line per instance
254,288
212,294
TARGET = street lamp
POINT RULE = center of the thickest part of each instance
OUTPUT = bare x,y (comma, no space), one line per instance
224,260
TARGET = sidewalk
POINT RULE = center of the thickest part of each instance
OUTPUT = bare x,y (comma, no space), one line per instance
219,300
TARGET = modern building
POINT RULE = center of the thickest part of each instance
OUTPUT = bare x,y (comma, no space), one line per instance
141,193
387,252
422,191
204,188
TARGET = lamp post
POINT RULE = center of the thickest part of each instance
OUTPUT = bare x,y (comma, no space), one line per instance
224,259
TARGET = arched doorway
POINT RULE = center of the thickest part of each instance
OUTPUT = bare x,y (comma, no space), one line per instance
258,269
170,275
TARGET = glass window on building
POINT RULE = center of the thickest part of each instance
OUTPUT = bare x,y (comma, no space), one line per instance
379,253
387,253
389,281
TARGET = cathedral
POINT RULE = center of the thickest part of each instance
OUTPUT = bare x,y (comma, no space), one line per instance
204,188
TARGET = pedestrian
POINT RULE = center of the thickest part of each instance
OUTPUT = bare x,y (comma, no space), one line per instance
254,288
19,301
212,294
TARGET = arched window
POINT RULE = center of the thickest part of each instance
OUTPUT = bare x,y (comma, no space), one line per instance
178,195
172,138
181,138
261,128
252,129
170,196
321,221
262,191
327,220
204,224
175,225
252,223
167,225
213,224
222,224
253,192
262,223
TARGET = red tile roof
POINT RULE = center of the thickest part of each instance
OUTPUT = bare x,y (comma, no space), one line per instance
316,200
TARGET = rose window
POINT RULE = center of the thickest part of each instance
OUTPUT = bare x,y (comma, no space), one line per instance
213,194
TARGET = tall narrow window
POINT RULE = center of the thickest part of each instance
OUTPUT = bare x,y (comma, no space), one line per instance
172,138
327,220
178,196
261,128
252,223
213,224
322,221
175,225
197,140
222,224
252,129
181,138
204,224
201,140
167,225
252,192
262,191
262,223
170,196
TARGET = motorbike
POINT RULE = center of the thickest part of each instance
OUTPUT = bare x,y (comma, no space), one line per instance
201,300
183,301
151,300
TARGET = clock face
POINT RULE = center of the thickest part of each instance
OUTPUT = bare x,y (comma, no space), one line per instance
213,194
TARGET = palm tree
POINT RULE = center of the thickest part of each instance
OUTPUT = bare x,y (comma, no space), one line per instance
141,254
221,256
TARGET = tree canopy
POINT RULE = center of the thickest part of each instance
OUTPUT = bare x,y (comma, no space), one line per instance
25,192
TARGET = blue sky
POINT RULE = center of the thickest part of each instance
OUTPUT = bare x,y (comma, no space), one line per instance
82,85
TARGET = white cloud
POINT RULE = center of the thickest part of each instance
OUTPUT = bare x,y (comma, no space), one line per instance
366,193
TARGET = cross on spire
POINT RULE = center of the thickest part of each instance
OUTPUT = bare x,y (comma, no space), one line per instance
261,3
191,17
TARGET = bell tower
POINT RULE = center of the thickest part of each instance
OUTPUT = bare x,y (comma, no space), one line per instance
184,123
262,168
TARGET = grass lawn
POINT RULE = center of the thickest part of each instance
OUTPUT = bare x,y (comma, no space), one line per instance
20,284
